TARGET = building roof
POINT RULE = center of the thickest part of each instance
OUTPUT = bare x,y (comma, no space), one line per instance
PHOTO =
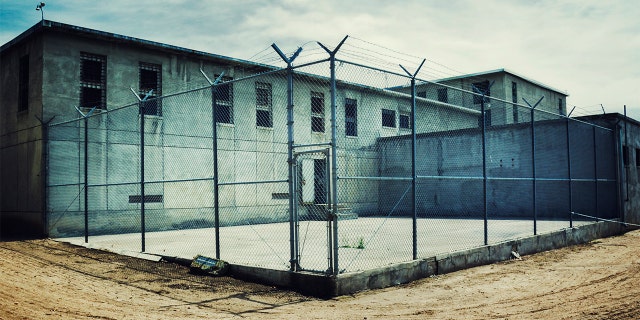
48,25
486,73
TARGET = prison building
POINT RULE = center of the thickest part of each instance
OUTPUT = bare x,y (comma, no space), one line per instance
54,73
502,84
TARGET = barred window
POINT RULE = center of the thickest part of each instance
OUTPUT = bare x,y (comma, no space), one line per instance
443,95
405,121
150,82
23,84
263,105
93,81
388,118
224,101
480,89
317,111
351,117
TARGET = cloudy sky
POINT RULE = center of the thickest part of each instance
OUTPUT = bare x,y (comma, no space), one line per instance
588,48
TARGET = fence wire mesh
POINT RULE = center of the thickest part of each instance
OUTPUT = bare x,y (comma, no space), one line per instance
280,170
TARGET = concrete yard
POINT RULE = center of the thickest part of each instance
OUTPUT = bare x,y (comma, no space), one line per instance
364,243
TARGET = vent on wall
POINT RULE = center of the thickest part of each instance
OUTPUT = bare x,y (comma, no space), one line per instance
150,198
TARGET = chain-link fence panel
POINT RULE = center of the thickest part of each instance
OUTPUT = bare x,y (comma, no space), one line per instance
65,183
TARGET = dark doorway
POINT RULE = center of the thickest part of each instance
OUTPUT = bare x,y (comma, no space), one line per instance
319,181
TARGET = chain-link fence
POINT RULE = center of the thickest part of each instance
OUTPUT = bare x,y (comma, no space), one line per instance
330,166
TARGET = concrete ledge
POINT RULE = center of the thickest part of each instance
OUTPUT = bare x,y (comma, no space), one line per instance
327,286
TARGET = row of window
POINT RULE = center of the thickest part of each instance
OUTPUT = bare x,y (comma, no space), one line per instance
626,157
93,85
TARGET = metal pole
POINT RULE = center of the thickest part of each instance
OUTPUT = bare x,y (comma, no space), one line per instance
214,147
141,105
216,180
533,163
334,156
569,174
86,180
533,173
293,214
484,171
595,169
414,203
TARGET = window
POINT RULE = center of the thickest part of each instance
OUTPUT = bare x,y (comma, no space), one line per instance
637,157
263,105
317,111
481,88
150,82
405,121
625,156
388,118
443,95
23,84
514,99
351,117
224,100
560,108
93,81
422,94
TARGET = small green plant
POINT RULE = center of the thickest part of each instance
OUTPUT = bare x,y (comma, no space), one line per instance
346,243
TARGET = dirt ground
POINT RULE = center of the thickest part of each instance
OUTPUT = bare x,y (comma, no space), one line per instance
44,279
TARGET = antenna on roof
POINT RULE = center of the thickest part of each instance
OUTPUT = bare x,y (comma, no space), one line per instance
40,7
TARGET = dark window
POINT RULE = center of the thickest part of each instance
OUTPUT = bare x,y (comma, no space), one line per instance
23,84
388,118
351,117
263,105
560,108
514,99
224,101
625,156
422,94
480,88
637,157
405,121
443,95
150,82
317,111
93,81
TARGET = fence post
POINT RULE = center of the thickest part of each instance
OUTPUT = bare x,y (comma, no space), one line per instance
414,206
85,116
569,173
595,169
483,125
214,151
141,109
334,157
533,163
86,180
293,214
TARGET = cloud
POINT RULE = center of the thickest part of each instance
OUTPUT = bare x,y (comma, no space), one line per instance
586,47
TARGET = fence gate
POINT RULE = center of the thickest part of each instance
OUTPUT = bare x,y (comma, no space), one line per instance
312,214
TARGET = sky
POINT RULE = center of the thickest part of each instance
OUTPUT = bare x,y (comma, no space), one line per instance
589,49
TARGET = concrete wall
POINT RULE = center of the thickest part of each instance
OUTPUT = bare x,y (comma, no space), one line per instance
21,157
450,164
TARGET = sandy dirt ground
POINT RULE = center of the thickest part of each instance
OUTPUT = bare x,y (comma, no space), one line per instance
44,279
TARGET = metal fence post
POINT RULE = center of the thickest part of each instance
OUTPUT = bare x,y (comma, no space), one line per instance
533,163
414,175
483,127
86,180
214,152
334,157
293,216
141,108
595,169
569,173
